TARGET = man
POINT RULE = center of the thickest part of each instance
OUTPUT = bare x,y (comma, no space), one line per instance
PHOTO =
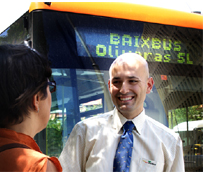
92,145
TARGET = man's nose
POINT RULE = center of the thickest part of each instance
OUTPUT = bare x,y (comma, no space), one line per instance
124,88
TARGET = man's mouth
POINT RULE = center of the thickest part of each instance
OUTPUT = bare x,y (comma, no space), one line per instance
125,98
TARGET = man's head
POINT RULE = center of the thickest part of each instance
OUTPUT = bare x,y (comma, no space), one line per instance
129,83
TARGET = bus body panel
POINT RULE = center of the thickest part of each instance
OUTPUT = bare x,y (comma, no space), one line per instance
127,11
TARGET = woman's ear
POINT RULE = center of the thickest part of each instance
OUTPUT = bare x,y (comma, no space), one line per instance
150,84
36,100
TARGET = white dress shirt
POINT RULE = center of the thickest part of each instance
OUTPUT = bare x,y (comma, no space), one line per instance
92,144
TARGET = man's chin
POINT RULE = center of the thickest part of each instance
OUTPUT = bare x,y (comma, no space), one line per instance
124,109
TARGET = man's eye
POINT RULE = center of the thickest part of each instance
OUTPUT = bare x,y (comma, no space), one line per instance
115,82
133,81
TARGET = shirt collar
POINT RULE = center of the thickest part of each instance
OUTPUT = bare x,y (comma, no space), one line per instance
139,121
119,120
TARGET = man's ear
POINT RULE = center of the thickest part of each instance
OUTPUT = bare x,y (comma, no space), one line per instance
150,84
36,100
109,84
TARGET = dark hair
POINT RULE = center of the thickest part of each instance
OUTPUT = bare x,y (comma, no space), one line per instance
23,73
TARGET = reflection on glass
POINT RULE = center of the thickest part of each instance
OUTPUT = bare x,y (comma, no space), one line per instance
188,123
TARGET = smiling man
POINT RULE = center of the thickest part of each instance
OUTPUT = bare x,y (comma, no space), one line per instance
129,83
124,139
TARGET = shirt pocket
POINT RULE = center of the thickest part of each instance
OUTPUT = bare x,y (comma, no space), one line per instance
146,165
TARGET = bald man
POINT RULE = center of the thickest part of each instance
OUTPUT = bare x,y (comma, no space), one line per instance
92,144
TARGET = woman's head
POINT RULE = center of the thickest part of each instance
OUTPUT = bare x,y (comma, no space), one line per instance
24,73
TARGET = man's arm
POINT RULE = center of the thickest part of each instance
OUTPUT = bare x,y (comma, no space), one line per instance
178,163
72,156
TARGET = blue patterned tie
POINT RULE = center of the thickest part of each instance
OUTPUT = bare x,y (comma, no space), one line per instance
124,151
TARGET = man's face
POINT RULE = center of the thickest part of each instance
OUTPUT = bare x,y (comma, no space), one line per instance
128,86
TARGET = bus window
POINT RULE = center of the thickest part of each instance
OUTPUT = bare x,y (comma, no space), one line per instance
191,133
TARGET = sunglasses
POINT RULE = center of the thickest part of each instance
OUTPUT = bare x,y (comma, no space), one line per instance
52,86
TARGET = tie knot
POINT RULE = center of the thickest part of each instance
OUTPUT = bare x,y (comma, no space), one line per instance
128,126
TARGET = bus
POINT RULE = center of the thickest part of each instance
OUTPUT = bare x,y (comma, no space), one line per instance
81,40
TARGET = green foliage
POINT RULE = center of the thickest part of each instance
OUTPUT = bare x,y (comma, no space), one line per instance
54,137
179,115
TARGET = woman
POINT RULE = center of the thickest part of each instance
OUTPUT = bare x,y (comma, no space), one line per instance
25,103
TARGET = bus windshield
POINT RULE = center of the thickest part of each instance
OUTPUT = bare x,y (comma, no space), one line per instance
88,44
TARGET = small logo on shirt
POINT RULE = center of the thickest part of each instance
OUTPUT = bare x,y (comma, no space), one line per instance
149,162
